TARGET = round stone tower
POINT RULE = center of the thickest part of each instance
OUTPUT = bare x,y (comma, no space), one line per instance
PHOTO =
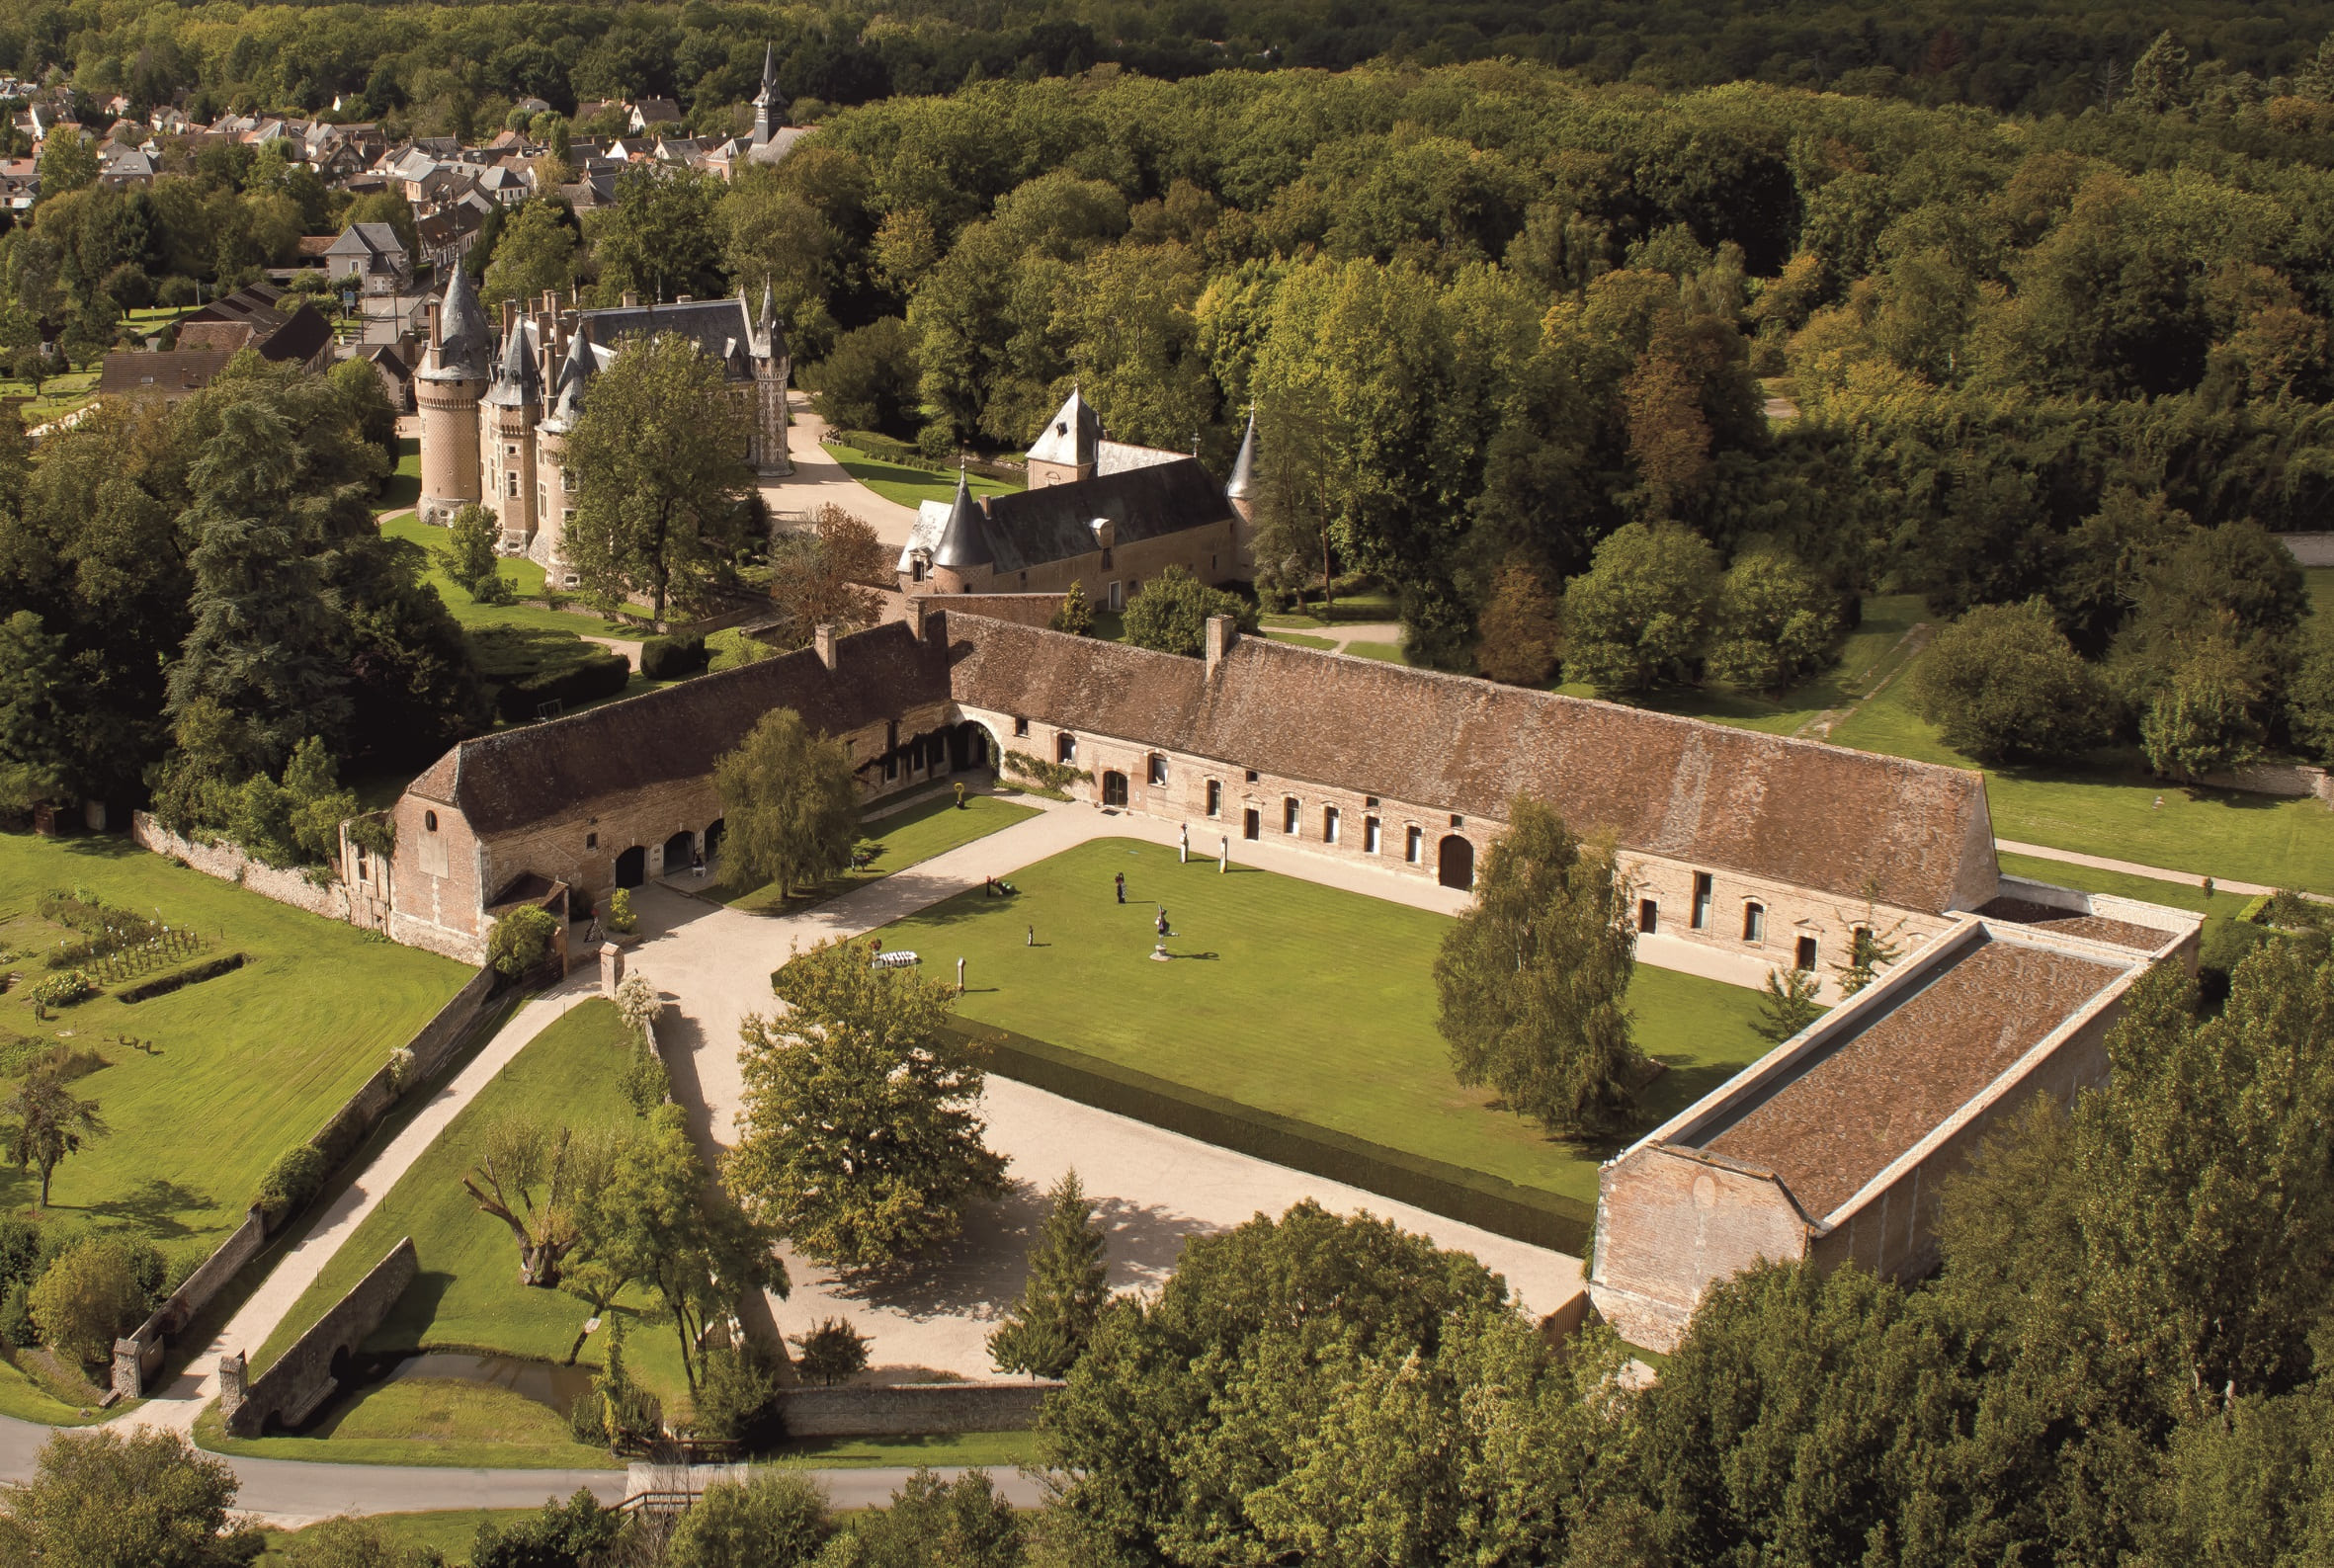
451,379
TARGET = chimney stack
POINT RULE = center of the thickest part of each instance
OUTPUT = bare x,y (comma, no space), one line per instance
1221,629
437,326
631,300
510,315
822,637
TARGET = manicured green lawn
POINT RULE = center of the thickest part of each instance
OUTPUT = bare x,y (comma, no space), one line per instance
246,1065
425,1420
899,483
1390,652
524,575
1298,999
58,394
996,1451
403,491
900,840
1353,604
2111,810
468,1295
452,1533
26,1400
1299,638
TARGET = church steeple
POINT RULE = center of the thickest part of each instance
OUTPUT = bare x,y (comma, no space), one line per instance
770,105
1242,485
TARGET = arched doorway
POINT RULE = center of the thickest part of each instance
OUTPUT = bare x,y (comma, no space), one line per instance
679,849
1114,788
713,833
970,746
631,867
1457,862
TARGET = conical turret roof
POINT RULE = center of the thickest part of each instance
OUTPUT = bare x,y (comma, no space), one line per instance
1243,480
1073,436
516,383
964,541
466,342
577,369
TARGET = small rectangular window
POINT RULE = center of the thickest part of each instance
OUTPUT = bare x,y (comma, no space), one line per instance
1754,922
1702,900
1215,799
1158,769
1021,726
1118,590
1329,824
1414,845
1370,834
1252,776
1290,812
1805,960
1648,916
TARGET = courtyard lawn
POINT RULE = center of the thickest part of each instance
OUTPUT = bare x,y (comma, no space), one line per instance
524,575
996,1451
245,1065
468,1295
1302,1000
1386,652
2111,809
903,485
429,1420
1299,638
403,491
902,839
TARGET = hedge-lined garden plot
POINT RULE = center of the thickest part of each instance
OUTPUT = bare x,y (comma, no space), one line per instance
1298,1000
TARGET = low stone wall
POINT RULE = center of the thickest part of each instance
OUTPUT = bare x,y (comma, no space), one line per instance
1029,610
2292,780
138,1355
305,1377
865,1410
229,863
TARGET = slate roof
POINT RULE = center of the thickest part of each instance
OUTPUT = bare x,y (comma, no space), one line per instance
518,776
1028,528
256,315
720,328
1072,435
465,341
516,383
1805,813
1243,480
170,374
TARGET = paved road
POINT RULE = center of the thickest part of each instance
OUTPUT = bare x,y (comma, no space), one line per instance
292,1492
819,479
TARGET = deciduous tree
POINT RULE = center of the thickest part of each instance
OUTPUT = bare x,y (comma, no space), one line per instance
858,1139
88,1298
1639,615
1172,611
828,575
659,458
1521,629
44,1122
2003,685
789,806
1773,625
541,1180
1533,979
103,1498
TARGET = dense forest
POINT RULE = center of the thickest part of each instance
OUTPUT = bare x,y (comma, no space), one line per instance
2055,57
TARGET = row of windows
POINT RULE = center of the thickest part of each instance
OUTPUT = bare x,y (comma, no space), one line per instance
1754,920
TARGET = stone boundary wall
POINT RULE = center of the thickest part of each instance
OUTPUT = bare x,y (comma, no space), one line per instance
138,1355
2291,780
1028,610
229,863
2309,549
869,1410
305,1375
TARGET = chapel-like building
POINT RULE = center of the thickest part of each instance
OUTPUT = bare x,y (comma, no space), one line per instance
497,405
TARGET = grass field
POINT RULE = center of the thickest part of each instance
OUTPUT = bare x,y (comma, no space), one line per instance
905,486
427,1421
467,1296
900,840
246,1065
1299,638
997,1450
1295,998
2111,810
451,1534
1388,652
524,575
403,490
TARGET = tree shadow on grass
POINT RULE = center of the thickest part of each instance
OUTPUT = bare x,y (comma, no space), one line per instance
979,1273
154,1207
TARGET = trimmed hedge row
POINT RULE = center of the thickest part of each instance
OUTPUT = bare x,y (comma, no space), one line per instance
208,969
1544,1220
588,679
670,658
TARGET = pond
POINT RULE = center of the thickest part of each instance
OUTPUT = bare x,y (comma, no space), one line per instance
545,1382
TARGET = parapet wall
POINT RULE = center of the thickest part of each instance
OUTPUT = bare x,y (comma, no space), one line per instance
862,1410
305,1377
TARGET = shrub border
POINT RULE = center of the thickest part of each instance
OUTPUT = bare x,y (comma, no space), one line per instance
1522,1213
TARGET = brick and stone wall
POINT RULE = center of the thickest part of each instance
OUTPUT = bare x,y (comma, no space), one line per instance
305,1377
911,1409
137,1356
229,863
1670,1224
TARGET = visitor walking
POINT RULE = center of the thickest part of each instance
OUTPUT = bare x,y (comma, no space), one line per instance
1122,886
1164,933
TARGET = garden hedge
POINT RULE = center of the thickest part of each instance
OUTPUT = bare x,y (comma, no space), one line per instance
670,658
1544,1220
601,674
